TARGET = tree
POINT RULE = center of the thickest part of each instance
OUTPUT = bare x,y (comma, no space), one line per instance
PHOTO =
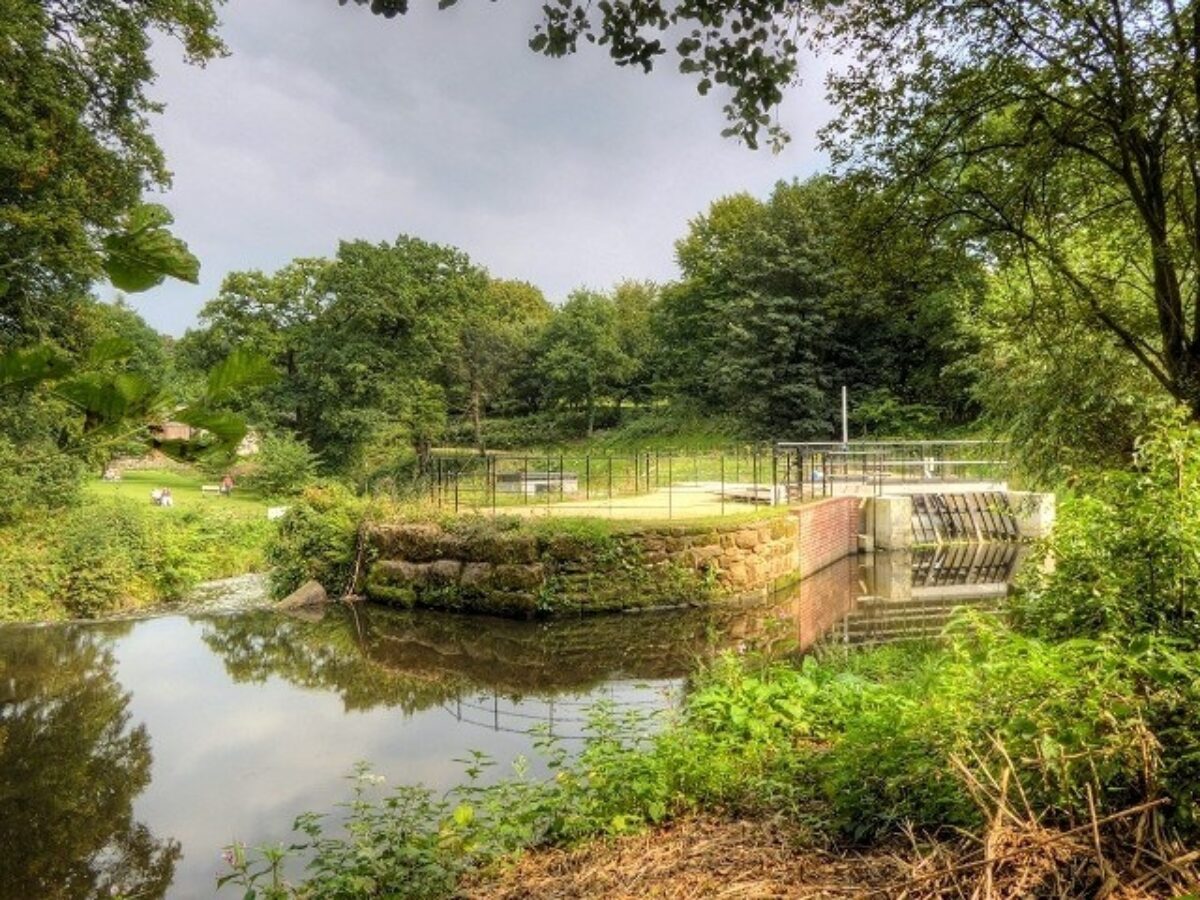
272,316
1061,133
748,324
377,352
76,152
497,330
580,354
784,300
749,47
637,305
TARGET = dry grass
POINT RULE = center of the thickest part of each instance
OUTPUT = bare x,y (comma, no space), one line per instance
1122,856
693,857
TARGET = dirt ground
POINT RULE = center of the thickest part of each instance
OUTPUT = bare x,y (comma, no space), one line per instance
690,859
704,857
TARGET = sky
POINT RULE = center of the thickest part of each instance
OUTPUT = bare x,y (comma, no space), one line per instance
328,123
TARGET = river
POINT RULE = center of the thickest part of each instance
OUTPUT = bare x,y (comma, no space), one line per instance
132,752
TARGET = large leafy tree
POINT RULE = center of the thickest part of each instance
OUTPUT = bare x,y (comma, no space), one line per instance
496,332
1062,133
749,322
76,152
785,299
580,356
274,316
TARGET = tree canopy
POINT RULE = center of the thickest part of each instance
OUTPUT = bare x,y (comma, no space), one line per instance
76,153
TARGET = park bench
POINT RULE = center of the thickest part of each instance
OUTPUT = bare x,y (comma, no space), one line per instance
210,489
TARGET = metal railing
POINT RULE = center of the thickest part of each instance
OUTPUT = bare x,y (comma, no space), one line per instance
828,469
640,484
678,484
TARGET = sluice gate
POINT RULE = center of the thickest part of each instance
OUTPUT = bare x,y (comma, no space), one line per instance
943,518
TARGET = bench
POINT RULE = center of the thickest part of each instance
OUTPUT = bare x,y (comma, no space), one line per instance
210,489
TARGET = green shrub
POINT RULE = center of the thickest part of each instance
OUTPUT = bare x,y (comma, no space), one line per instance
119,554
1126,554
318,538
282,467
107,553
36,477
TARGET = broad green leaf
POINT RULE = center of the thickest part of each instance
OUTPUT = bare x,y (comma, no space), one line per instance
32,365
227,428
145,253
241,369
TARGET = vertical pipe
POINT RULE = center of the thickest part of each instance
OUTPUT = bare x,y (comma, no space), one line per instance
845,421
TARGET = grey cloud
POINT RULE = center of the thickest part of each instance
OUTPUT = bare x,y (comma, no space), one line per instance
329,123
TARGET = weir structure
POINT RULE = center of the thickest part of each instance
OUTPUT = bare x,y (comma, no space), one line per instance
919,493
535,555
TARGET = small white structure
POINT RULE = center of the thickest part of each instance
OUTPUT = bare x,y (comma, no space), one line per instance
532,483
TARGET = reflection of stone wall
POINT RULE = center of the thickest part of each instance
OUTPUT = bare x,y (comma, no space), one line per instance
515,568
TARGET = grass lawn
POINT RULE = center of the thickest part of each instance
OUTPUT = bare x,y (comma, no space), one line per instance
185,491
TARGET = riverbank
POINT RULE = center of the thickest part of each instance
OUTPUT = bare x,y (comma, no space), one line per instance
117,552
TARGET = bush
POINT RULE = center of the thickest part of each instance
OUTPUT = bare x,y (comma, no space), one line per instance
120,554
36,477
1125,554
107,557
282,467
317,539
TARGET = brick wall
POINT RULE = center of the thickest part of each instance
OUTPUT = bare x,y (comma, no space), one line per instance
828,531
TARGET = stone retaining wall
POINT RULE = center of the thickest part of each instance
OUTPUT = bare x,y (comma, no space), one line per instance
512,568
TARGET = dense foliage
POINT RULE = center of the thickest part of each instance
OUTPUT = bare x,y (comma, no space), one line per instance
116,555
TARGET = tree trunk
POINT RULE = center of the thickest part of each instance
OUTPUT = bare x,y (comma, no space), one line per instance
591,415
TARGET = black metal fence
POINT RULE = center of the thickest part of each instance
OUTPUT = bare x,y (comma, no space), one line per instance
676,484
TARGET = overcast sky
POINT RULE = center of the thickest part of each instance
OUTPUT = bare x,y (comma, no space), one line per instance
327,123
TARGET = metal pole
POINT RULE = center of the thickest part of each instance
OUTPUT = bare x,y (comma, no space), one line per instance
722,484
670,488
525,483
587,477
845,420
774,475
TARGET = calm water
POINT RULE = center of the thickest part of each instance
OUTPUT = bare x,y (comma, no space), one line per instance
132,752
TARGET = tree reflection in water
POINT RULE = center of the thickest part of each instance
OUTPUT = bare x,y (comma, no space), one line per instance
372,656
70,768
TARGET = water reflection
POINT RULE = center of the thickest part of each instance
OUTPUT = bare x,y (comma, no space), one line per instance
256,717
912,595
71,764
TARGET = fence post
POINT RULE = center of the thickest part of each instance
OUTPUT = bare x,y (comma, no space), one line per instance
774,474
722,484
670,488
587,477
610,486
